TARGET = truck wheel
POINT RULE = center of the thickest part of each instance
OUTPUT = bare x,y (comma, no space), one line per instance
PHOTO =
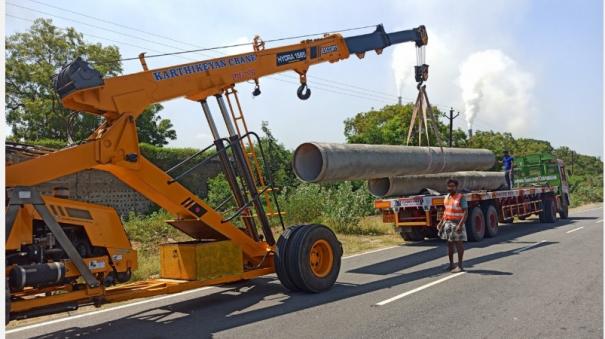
312,258
280,258
431,232
491,221
475,224
411,234
549,211
564,211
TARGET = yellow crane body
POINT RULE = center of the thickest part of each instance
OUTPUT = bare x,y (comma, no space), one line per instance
45,234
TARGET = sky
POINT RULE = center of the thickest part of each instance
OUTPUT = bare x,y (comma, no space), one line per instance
532,68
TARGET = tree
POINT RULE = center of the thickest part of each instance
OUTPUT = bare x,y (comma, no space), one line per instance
152,129
390,125
494,141
33,108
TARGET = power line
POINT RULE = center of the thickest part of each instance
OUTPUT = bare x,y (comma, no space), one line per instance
98,37
388,95
353,94
181,51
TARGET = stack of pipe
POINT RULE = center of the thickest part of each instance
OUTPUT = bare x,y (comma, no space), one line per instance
397,170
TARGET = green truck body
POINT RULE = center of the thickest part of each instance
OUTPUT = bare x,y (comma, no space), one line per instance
540,170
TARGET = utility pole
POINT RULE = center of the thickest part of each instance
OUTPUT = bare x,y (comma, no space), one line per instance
451,119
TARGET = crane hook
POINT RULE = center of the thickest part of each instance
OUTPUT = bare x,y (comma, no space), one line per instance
256,91
301,93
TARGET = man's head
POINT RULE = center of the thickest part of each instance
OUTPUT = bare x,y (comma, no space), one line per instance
452,185
505,152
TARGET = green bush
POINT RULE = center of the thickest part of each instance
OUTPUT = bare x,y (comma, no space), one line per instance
166,157
150,230
345,208
303,204
338,206
586,189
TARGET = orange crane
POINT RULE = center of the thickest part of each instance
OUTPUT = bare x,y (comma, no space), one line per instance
62,253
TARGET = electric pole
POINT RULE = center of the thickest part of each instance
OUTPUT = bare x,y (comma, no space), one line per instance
451,119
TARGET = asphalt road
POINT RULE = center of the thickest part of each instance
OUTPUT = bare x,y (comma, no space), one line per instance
532,280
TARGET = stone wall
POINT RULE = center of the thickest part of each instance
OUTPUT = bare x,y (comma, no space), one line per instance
100,187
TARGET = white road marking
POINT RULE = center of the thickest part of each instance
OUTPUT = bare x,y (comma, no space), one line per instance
369,252
528,247
575,229
598,221
418,289
110,309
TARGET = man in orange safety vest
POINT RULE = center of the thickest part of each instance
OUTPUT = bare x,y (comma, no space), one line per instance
451,227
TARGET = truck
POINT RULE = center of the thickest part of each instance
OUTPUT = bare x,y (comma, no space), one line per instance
540,187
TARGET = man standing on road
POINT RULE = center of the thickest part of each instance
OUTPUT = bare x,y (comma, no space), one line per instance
451,227
507,165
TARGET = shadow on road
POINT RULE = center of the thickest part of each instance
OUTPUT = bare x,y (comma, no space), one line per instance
247,303
507,233
487,272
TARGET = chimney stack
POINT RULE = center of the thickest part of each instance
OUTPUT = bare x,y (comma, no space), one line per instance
399,100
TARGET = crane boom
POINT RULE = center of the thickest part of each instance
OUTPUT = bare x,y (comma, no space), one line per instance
83,89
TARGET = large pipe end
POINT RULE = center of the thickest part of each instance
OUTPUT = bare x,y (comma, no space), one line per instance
379,187
308,162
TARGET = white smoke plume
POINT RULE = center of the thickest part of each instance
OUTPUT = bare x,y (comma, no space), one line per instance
496,88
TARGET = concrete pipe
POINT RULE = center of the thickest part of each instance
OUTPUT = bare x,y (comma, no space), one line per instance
415,184
320,162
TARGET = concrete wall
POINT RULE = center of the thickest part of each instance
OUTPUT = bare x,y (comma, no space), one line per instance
103,188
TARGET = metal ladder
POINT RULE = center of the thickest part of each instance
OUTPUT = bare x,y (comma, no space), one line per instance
251,155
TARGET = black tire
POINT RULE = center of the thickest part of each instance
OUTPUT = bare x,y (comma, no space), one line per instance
7,304
549,211
431,232
280,258
564,211
411,234
475,224
303,272
123,277
491,221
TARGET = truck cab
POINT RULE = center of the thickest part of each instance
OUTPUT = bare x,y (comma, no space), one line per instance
543,169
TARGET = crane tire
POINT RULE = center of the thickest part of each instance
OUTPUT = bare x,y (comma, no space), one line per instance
280,258
313,258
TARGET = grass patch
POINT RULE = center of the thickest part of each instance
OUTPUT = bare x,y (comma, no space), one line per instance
149,265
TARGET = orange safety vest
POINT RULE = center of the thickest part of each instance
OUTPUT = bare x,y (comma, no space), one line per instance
453,210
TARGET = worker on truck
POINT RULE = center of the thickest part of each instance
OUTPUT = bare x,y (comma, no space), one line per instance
451,227
507,166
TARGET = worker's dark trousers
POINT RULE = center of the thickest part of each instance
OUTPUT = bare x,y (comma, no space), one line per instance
509,179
